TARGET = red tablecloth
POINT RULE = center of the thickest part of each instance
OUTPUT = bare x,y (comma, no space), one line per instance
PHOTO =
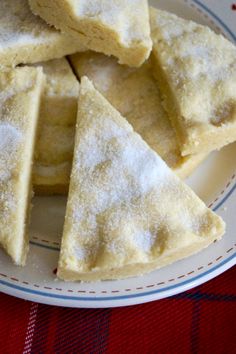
199,321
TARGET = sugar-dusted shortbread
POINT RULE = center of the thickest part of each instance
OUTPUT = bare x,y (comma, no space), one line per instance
135,94
55,143
119,27
196,69
127,212
25,38
20,91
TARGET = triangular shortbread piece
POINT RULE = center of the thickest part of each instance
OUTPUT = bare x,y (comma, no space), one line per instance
55,144
20,91
25,38
120,28
135,94
127,212
197,72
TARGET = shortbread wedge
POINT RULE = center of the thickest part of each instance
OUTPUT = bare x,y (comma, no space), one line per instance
119,27
127,212
25,38
20,91
55,143
196,69
135,94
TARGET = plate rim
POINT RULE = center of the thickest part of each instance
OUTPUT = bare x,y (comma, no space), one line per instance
183,286
131,299
157,294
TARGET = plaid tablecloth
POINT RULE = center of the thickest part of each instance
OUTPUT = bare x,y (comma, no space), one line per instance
199,321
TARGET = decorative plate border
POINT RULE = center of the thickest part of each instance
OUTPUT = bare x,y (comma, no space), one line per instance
206,11
120,297
189,281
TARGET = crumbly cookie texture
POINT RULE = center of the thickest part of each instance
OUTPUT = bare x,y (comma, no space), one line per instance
55,143
118,221
26,38
119,27
135,94
196,69
20,91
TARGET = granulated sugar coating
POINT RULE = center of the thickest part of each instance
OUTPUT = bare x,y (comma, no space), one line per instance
127,212
196,69
135,94
119,27
19,104
25,38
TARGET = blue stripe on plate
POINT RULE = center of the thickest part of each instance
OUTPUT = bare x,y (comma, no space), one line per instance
226,197
227,29
217,18
121,297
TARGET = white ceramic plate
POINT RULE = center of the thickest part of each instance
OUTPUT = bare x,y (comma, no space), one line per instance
214,182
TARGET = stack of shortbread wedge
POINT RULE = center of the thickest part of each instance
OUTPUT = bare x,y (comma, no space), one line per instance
156,95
